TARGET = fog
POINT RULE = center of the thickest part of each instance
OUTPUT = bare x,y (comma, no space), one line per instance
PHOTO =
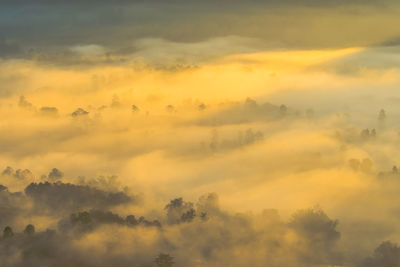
128,139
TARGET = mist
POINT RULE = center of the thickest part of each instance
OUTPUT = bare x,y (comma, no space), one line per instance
144,133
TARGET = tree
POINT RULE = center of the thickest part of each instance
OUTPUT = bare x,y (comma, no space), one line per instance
82,217
394,169
115,103
365,134
170,108
29,229
188,216
55,174
283,109
131,220
164,260
373,133
23,103
202,106
387,254
8,232
382,115
79,112
179,211
135,108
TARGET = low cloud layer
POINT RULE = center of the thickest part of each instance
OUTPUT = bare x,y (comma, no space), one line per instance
129,139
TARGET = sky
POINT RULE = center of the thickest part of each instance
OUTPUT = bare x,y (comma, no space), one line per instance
199,133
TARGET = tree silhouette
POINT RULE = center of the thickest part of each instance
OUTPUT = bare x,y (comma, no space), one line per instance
8,232
82,217
135,108
394,169
188,216
202,106
164,260
365,134
55,174
373,133
29,229
170,108
382,115
283,109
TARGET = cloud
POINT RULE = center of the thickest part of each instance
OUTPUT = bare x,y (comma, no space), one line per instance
51,111
88,50
145,29
9,48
